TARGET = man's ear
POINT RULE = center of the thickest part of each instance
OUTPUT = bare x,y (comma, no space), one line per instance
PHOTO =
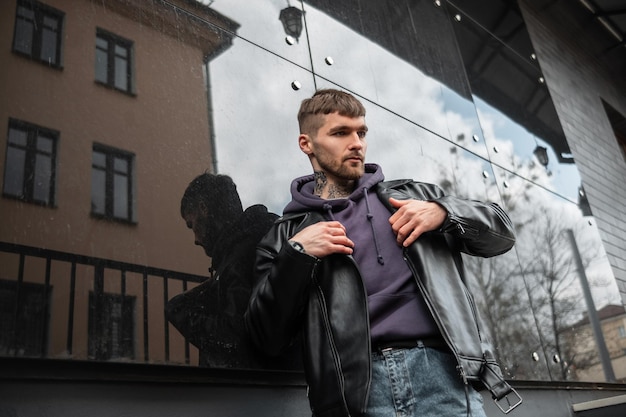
304,141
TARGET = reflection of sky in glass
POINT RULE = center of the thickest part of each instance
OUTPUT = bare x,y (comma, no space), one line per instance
374,73
515,146
256,134
258,23
364,68
531,208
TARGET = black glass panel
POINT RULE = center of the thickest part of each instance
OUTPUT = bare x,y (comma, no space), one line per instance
520,125
552,238
399,55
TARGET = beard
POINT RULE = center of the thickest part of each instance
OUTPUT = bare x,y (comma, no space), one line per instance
347,170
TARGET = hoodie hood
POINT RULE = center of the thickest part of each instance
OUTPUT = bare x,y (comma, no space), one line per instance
241,238
303,199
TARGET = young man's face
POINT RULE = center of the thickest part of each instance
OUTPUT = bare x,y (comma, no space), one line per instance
203,232
338,149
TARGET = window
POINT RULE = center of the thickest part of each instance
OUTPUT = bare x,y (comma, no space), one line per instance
111,183
113,61
111,326
618,122
621,331
23,318
30,166
38,30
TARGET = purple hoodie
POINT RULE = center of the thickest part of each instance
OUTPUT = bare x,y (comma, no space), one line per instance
396,309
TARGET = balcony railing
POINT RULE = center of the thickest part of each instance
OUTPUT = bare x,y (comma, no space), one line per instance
59,304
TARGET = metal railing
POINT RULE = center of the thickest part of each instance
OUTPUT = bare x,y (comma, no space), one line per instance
104,271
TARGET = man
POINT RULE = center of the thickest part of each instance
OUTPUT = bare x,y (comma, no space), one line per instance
370,273
210,316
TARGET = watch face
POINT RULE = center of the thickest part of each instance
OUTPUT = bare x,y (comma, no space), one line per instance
297,246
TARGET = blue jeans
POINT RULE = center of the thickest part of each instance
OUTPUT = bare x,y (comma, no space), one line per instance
422,382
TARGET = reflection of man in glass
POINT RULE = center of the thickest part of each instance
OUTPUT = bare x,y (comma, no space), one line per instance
371,273
210,316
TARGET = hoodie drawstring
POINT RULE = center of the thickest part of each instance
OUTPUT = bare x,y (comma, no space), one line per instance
329,210
370,218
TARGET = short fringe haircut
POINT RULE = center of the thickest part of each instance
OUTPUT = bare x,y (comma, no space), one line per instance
324,102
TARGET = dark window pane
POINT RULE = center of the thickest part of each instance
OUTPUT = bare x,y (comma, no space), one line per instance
113,61
101,66
98,194
38,32
14,172
45,144
111,326
22,318
120,165
49,46
111,192
98,159
121,71
18,137
121,51
120,196
43,175
29,169
102,43
24,29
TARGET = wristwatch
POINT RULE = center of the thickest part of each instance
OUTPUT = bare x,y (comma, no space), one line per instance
297,246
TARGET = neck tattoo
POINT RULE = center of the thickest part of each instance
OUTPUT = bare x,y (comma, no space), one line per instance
322,187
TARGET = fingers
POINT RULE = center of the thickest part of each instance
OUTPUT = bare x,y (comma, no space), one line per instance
324,238
408,232
413,218
398,214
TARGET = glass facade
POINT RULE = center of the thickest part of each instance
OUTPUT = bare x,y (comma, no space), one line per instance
454,96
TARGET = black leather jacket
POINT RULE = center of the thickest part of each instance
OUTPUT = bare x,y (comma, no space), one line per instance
324,300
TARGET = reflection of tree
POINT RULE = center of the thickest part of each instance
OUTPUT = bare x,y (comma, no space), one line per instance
503,304
529,297
549,268
497,282
549,271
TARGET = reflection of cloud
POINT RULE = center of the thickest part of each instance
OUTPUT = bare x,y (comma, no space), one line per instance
515,152
254,108
256,133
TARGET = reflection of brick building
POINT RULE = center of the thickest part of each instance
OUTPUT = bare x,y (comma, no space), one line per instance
105,120
613,322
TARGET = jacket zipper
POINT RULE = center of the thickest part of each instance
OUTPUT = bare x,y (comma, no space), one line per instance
464,227
470,299
437,319
324,312
369,335
327,327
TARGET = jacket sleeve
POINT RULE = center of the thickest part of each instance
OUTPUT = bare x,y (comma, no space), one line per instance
480,229
474,227
278,301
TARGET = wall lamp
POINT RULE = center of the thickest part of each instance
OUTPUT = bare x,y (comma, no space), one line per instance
291,18
541,153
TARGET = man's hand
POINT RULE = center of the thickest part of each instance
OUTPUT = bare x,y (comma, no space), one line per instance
415,217
324,238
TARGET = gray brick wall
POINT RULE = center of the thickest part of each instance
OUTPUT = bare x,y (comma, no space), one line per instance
578,84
